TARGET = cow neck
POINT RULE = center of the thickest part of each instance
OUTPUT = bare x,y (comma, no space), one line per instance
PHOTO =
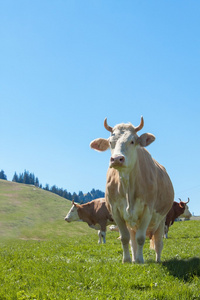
79,213
127,186
123,183
83,214
127,176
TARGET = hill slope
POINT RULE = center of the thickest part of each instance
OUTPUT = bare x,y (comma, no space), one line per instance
30,212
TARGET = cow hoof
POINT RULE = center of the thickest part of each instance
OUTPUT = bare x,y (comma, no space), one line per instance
139,261
128,260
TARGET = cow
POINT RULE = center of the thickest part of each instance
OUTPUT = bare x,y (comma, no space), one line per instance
177,210
139,192
114,228
94,213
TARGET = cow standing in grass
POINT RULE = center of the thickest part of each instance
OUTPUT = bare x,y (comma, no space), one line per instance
180,209
139,191
94,213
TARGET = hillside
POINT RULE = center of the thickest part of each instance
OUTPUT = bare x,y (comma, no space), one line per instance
29,212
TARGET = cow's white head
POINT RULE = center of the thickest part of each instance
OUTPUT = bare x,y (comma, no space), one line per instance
72,214
187,214
123,143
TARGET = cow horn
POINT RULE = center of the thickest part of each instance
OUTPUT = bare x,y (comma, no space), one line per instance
72,201
179,199
187,201
106,126
141,125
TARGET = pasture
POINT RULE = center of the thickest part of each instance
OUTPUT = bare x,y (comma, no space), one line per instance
43,257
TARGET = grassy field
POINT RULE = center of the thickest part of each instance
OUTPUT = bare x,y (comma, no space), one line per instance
43,257
29,212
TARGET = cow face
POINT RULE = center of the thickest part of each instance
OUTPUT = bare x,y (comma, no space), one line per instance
72,214
187,214
123,143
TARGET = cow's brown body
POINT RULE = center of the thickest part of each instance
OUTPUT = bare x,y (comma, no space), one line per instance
177,210
94,213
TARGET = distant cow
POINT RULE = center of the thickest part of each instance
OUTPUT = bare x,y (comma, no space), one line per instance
178,210
94,213
139,191
114,228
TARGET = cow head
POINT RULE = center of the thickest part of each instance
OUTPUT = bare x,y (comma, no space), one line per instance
73,213
123,143
186,214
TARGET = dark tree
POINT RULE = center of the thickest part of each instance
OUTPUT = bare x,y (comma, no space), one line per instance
3,175
26,178
46,187
36,182
15,178
75,197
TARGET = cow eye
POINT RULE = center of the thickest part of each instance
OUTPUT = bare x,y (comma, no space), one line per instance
132,142
112,144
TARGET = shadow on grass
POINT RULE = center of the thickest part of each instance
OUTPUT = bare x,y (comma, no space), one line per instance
183,269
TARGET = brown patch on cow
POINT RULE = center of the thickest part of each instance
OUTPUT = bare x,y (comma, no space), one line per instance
95,212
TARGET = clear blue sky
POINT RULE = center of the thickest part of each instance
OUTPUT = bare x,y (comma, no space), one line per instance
66,65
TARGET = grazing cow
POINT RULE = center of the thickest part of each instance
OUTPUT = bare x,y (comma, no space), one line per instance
177,210
139,192
95,213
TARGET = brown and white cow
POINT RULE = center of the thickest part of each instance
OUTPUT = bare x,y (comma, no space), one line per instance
94,213
139,192
180,209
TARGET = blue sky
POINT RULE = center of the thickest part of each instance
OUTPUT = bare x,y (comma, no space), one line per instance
66,65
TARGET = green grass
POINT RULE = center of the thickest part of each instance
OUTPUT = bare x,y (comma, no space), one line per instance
46,258
29,212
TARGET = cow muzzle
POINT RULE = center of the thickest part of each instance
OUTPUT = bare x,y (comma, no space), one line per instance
117,161
67,219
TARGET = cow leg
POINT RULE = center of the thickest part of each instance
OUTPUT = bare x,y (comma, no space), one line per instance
140,239
158,240
133,245
100,236
103,234
103,230
125,237
140,235
166,229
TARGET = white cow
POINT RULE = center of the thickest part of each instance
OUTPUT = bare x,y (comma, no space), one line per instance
139,191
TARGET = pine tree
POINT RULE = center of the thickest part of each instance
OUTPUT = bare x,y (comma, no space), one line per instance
36,183
46,187
3,175
31,178
69,196
81,197
15,178
75,197
21,178
26,178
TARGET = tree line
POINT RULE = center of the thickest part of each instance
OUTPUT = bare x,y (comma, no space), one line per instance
29,178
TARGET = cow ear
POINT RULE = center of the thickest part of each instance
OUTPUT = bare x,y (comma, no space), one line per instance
100,144
146,139
181,204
